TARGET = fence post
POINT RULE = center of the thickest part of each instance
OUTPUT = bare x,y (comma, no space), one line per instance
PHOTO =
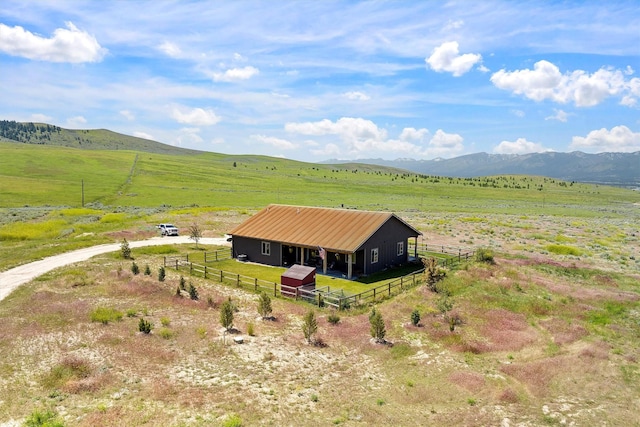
205,271
187,257
191,269
275,289
238,281
255,285
164,263
221,276
177,264
205,257
389,288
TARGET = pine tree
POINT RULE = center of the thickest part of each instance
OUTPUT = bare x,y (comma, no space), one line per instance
378,330
226,314
309,326
264,305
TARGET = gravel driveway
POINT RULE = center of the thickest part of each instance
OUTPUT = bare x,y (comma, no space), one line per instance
11,279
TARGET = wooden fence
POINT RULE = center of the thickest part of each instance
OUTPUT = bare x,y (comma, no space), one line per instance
323,296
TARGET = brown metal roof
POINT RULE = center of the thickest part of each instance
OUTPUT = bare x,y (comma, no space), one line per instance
338,230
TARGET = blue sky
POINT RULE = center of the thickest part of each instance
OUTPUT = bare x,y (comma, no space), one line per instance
313,80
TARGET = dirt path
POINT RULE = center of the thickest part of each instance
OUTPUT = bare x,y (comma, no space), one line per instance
11,279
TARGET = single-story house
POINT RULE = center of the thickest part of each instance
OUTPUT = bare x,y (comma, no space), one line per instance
351,241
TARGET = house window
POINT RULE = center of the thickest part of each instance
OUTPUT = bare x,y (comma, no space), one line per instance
400,248
374,255
266,248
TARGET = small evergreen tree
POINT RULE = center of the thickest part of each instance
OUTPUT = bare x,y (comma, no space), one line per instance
147,270
378,330
135,269
415,317
161,274
183,283
193,292
432,274
264,305
125,250
226,314
145,326
309,326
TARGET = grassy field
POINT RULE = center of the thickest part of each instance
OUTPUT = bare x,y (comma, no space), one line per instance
548,335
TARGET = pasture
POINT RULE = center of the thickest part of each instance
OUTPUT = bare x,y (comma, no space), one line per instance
548,335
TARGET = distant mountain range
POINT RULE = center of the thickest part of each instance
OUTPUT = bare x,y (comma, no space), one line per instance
620,169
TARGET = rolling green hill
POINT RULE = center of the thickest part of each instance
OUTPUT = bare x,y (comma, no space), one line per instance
37,175
87,139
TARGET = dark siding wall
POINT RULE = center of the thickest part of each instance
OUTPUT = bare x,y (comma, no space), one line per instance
253,249
386,240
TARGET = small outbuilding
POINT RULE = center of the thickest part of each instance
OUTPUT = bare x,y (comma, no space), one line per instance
297,276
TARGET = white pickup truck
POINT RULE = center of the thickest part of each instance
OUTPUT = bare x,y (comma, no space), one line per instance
168,229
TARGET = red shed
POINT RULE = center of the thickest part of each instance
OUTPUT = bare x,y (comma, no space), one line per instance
297,276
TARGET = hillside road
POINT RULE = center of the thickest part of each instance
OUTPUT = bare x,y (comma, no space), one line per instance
12,278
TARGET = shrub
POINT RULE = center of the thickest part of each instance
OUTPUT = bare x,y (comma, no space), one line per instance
444,304
250,330
377,330
125,249
264,305
226,314
563,250
415,317
309,326
144,326
135,269
183,283
165,321
147,270
161,274
485,255
166,333
232,421
132,312
47,418
193,292
333,318
105,315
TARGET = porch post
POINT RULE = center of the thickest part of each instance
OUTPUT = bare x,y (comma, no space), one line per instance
349,266
324,263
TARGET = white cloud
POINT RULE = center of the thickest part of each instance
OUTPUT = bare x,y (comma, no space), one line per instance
41,118
363,138
546,81
188,137
359,134
559,115
275,142
235,74
413,134
519,146
195,116
143,135
76,121
66,45
357,96
170,49
127,114
446,57
444,144
618,139
518,113
328,150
